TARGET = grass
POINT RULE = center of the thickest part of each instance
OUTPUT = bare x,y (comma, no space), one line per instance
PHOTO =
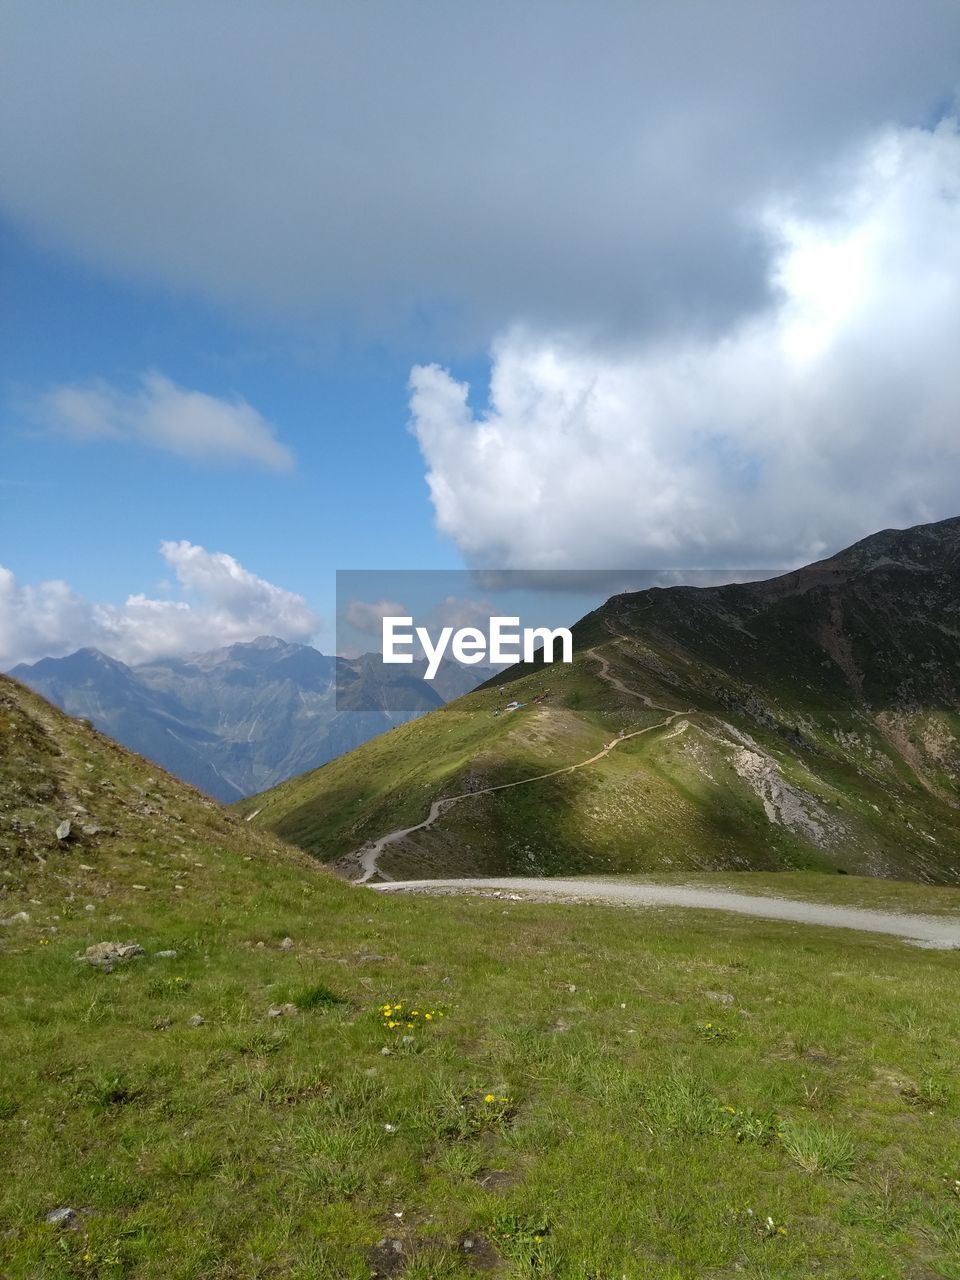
663,1096
674,798
315,995
818,1149
621,1138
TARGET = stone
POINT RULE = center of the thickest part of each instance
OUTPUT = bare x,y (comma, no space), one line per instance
18,917
196,1021
166,955
110,953
62,1217
282,1010
63,831
286,944
387,1256
92,830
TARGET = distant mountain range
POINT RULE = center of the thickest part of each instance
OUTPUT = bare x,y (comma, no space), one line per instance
236,720
806,721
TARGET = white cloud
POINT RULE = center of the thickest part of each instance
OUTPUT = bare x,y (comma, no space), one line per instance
367,617
446,167
189,423
830,414
462,611
223,603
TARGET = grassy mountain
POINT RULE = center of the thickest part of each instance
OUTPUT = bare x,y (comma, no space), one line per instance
809,721
685,1098
665,1101
238,719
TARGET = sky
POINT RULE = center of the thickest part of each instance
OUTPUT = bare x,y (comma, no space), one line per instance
289,289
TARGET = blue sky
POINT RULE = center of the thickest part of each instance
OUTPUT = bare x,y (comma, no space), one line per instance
95,513
343,412
290,289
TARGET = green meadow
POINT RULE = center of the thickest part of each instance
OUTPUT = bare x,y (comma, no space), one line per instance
597,1093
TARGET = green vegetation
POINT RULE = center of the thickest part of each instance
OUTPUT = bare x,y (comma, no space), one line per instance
657,1095
716,786
653,1096
810,722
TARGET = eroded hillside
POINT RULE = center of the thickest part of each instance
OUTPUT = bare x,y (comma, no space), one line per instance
806,722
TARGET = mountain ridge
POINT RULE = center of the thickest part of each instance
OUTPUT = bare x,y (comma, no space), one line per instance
815,722
235,719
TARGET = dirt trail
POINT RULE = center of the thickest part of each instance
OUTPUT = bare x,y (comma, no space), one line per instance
367,858
939,933
617,683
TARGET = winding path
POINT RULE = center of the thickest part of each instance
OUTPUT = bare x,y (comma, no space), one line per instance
940,933
368,857
924,931
370,854
617,683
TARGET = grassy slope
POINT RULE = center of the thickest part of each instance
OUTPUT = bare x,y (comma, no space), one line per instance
657,802
674,1080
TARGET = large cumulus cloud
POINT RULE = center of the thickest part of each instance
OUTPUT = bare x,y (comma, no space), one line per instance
443,169
830,413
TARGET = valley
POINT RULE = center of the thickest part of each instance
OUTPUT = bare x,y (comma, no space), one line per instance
237,719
